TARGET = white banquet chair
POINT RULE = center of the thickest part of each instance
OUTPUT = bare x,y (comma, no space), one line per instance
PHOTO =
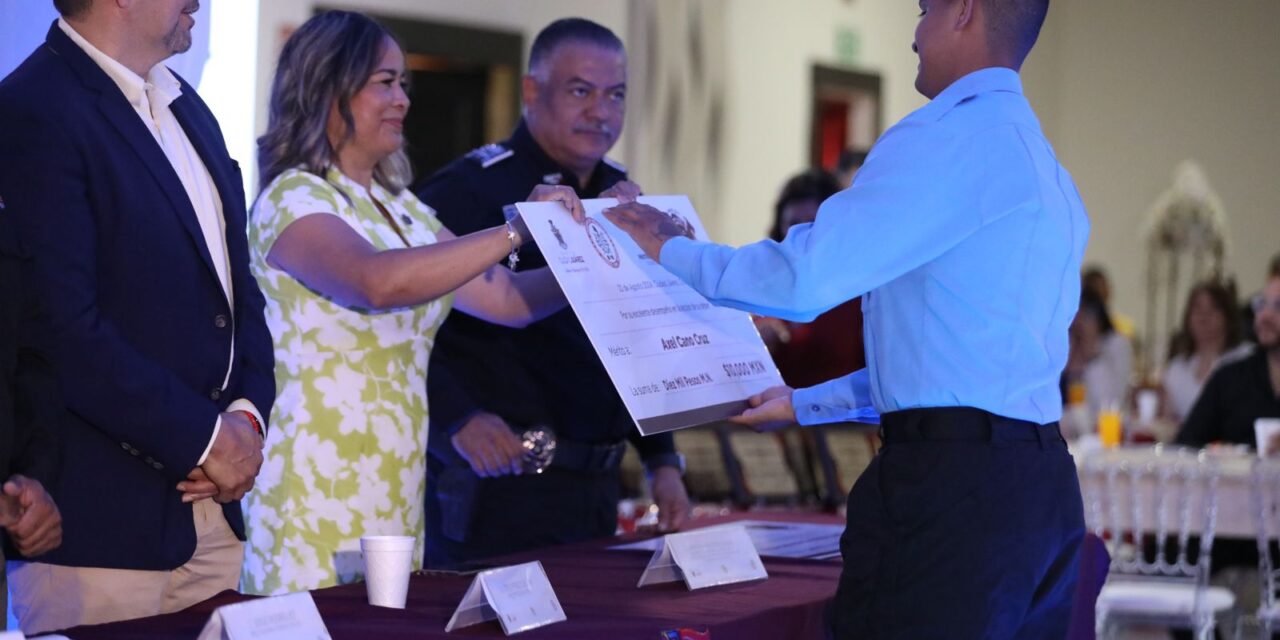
1147,505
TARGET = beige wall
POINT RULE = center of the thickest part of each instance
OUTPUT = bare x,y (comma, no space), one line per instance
772,47
525,16
1127,89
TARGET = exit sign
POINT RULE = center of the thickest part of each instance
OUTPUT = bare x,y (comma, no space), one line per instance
848,46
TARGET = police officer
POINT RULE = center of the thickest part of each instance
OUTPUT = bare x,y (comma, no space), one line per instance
492,386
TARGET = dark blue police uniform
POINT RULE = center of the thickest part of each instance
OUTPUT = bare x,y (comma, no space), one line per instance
545,375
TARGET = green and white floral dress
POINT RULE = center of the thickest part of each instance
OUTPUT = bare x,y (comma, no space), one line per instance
346,451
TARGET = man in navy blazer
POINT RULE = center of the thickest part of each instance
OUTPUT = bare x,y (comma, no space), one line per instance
134,217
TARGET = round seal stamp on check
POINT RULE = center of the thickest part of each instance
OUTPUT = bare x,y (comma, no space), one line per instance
603,243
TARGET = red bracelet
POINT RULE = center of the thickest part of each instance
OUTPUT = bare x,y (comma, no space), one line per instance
253,420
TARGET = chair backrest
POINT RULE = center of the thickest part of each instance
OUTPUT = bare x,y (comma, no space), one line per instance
759,468
1148,504
1266,510
843,451
706,477
802,457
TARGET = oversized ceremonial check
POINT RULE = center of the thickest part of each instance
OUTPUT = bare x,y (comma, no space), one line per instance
676,360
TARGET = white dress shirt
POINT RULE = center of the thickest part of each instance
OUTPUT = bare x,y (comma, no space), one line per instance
150,98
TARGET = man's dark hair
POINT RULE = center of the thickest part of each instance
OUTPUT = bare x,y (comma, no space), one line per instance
850,159
814,184
1274,270
1014,25
570,30
71,8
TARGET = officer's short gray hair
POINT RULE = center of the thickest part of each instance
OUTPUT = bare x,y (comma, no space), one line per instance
567,30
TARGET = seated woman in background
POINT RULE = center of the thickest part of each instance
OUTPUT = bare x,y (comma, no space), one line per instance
358,276
1101,359
831,345
1210,337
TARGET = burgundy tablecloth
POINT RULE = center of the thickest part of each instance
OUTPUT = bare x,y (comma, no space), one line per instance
596,587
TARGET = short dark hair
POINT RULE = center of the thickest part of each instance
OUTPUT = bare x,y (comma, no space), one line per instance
570,30
814,184
850,159
1014,25
1274,270
70,8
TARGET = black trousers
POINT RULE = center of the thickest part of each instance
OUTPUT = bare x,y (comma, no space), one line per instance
489,517
965,525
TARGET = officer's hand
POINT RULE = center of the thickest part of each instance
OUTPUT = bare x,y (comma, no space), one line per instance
562,194
624,190
673,501
770,410
489,446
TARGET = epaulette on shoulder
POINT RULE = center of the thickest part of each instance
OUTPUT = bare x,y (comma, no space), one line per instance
615,164
490,154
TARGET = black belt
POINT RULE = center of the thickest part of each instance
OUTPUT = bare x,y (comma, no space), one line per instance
963,424
590,458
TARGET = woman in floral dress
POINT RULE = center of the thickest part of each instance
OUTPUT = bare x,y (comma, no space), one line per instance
358,275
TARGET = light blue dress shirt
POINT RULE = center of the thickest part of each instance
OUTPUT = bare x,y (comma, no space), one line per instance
964,234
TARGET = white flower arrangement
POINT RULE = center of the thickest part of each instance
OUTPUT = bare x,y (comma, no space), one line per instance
1188,217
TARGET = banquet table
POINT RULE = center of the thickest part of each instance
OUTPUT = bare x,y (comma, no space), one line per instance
1236,518
596,587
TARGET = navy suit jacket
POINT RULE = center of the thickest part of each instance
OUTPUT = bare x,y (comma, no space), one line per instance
140,329
28,389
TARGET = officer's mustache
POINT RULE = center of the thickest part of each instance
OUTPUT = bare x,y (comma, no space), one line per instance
602,129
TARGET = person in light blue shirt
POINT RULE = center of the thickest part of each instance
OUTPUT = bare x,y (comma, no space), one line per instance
965,235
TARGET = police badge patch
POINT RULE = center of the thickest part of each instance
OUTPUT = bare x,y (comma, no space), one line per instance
490,154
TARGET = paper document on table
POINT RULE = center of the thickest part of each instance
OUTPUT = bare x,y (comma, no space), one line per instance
676,360
774,539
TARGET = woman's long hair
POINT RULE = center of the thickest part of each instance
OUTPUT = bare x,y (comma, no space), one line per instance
325,62
1223,297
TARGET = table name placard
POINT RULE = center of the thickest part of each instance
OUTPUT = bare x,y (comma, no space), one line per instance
705,558
520,597
288,617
